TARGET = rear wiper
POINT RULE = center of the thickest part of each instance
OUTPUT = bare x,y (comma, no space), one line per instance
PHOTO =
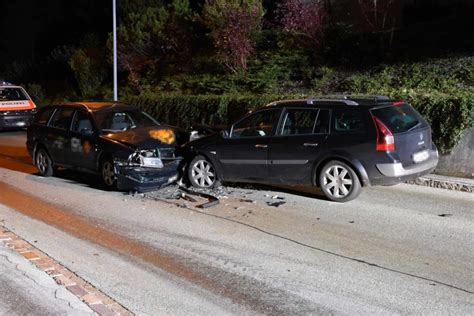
417,123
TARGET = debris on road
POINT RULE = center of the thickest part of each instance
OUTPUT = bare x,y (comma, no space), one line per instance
277,197
180,191
276,204
186,197
247,201
212,199
177,192
209,204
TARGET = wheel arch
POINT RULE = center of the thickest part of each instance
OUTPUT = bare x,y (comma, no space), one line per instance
100,158
355,164
39,146
210,158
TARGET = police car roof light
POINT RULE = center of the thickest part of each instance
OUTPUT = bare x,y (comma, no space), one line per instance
5,83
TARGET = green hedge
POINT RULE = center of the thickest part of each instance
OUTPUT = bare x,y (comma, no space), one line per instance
448,114
185,110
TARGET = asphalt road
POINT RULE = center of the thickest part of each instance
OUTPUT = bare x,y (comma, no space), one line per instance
394,250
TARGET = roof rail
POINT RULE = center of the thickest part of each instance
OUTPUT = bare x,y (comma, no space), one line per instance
334,100
376,98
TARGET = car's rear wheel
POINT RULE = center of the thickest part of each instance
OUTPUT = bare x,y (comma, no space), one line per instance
201,173
339,182
44,163
107,172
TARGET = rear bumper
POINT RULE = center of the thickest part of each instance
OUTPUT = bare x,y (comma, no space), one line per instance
397,170
142,179
16,119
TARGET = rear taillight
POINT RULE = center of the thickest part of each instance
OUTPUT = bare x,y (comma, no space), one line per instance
385,139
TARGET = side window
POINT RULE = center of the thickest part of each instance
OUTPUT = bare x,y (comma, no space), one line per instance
81,122
349,121
43,116
260,124
62,118
322,122
299,122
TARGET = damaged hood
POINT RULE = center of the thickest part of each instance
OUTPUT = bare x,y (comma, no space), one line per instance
147,137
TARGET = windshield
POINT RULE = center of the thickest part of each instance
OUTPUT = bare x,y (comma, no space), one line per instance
12,94
119,121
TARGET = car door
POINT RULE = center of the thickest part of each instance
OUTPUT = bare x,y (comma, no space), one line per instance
58,135
243,156
82,149
300,139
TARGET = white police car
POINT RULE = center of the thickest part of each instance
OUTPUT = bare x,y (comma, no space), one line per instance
17,109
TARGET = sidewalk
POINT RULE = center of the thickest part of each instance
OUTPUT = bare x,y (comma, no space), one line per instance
31,282
24,289
444,182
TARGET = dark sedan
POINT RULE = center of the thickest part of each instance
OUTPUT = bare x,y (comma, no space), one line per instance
127,147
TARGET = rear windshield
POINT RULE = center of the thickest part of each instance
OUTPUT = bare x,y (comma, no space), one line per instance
12,94
399,118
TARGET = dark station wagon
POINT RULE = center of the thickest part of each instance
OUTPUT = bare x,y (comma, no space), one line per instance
127,147
340,144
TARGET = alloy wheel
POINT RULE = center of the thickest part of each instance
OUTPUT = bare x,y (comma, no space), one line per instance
42,162
203,174
337,181
108,173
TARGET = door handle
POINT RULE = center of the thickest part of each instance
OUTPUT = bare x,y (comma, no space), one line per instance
261,146
310,144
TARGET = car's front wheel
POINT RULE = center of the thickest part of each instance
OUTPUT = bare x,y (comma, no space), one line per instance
201,173
44,163
339,182
107,172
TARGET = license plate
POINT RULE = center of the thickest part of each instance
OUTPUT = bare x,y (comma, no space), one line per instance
421,156
21,124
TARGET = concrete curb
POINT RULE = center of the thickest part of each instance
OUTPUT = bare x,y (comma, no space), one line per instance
98,301
444,182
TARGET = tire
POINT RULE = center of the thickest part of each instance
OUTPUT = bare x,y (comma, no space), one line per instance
107,173
339,182
201,173
44,163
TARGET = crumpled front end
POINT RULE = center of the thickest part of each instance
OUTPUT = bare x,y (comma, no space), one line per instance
147,170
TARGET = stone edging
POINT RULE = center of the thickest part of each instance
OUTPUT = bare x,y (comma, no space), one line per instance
86,292
443,184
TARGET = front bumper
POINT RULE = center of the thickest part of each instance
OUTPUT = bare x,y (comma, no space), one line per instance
142,179
15,119
396,172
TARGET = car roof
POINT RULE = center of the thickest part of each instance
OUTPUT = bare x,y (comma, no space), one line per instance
364,101
98,106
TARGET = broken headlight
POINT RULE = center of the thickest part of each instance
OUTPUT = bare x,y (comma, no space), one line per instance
150,158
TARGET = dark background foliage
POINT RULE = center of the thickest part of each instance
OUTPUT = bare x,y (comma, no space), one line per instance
199,58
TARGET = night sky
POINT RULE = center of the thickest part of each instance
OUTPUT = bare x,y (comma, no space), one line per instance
31,29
